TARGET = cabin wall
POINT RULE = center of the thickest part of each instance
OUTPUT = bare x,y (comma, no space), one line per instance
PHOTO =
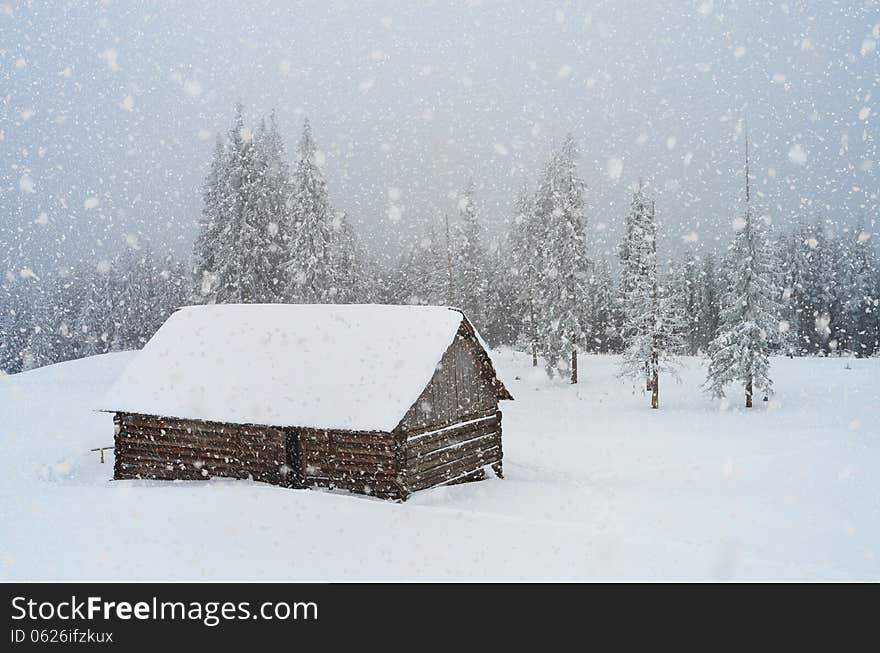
165,448
453,454
364,462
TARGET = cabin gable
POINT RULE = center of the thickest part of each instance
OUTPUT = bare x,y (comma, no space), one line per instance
463,385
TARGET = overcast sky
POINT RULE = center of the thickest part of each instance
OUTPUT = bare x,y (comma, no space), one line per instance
109,111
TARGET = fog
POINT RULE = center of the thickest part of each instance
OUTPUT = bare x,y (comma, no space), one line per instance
109,112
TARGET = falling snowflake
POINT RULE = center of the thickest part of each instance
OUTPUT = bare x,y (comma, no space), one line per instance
797,154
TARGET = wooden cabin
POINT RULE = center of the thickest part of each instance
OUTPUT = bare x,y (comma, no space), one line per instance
379,400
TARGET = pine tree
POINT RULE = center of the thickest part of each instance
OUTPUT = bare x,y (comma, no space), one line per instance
708,310
526,247
601,318
235,267
858,299
310,268
469,257
502,323
750,311
16,321
266,237
794,259
347,263
684,288
651,328
245,231
41,344
566,267
211,225
633,243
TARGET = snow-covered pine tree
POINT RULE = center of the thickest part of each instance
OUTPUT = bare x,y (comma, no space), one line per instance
397,283
130,292
310,268
503,319
651,328
708,310
632,243
794,258
347,263
633,252
278,171
874,324
821,325
601,319
41,344
684,289
211,225
526,246
469,258
16,320
245,228
267,235
564,284
145,290
93,324
235,267
858,299
749,319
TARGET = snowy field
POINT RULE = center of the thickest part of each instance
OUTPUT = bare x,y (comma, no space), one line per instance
598,487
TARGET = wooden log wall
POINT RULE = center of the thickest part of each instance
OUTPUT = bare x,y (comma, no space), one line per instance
165,448
363,462
455,453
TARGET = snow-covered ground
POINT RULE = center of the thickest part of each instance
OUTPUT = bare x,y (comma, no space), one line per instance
598,487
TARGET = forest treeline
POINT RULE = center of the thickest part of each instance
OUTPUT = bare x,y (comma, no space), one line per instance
269,233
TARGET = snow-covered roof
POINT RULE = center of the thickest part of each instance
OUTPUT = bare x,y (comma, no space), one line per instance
352,367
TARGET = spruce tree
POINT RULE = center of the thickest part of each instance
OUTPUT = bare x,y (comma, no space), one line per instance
503,319
651,328
469,258
708,310
858,298
266,237
601,319
347,263
563,266
310,267
566,267
526,247
750,311
211,226
235,268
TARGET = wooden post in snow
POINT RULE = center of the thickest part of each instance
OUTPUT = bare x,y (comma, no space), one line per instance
655,381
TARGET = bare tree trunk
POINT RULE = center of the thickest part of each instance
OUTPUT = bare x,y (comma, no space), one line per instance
534,354
655,382
648,375
749,392
574,365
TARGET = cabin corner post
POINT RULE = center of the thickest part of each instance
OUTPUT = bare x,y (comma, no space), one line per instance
117,459
498,466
